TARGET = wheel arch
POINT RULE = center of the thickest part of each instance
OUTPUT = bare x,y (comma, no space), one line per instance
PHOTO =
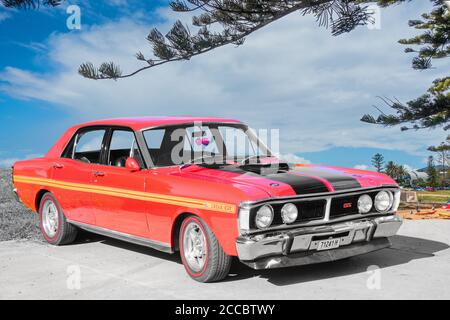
39,195
219,227
176,226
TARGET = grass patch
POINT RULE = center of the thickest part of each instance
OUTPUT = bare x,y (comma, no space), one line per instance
441,196
16,221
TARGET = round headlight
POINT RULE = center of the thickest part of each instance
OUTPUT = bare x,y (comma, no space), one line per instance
289,213
383,201
365,203
264,216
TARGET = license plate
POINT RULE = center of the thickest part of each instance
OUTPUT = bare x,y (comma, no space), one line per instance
328,244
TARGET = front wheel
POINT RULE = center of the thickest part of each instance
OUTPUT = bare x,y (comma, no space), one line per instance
201,253
54,226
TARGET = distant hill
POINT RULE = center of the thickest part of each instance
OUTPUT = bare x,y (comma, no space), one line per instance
438,167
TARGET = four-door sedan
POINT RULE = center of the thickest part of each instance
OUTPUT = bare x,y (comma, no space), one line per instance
208,188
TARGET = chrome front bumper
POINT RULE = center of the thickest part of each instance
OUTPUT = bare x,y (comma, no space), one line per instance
299,246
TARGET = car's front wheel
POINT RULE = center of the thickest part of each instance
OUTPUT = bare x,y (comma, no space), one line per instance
201,253
54,226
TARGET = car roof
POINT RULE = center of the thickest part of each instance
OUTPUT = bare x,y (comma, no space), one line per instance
139,123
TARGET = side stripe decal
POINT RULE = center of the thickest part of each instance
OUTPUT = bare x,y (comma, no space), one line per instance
130,194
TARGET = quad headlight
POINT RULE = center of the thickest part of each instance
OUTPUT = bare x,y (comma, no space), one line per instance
264,216
365,203
384,201
289,213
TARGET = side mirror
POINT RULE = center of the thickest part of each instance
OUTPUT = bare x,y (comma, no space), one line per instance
132,165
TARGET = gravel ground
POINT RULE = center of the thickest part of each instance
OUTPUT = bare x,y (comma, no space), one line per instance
16,221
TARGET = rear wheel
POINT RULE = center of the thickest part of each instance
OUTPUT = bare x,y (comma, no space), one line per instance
201,253
54,226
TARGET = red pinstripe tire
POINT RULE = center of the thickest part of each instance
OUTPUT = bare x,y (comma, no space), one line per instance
201,253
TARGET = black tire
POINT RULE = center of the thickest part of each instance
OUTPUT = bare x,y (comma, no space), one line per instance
218,263
65,232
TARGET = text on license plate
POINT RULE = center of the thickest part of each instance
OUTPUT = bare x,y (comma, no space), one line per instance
328,244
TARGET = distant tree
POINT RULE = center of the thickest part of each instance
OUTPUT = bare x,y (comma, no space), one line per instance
401,174
432,109
391,169
397,172
443,151
30,4
433,177
420,183
378,161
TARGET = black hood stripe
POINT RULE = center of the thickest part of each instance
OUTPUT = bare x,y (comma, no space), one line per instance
300,184
339,181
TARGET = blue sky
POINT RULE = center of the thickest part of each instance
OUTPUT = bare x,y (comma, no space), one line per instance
292,76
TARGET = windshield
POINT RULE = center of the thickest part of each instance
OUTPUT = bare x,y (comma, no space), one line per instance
212,143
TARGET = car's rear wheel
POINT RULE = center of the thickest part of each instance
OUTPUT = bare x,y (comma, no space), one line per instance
54,226
201,253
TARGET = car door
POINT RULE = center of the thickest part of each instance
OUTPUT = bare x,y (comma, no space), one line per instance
73,174
118,208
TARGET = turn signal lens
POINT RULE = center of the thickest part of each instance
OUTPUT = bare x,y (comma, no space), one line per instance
396,200
244,219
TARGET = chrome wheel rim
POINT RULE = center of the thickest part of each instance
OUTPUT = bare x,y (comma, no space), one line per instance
194,246
50,218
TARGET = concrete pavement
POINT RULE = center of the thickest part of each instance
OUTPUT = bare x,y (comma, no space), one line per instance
416,267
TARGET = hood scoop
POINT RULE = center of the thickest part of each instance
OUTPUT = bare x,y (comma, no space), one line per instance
266,169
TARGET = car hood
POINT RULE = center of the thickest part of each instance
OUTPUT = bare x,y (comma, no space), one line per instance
289,180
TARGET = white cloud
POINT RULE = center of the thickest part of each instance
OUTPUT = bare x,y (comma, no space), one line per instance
4,14
292,76
292,158
117,2
362,167
408,168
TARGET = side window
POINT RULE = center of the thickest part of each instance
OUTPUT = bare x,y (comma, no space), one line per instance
154,139
88,145
122,146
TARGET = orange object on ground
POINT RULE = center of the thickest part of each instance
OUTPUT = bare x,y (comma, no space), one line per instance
425,213
445,214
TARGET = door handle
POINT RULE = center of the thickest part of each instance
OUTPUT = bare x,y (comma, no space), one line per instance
58,165
98,173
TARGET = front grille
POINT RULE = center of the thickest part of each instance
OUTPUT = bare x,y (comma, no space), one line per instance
313,209
347,205
344,206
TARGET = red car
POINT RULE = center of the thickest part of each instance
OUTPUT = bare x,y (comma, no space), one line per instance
207,188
